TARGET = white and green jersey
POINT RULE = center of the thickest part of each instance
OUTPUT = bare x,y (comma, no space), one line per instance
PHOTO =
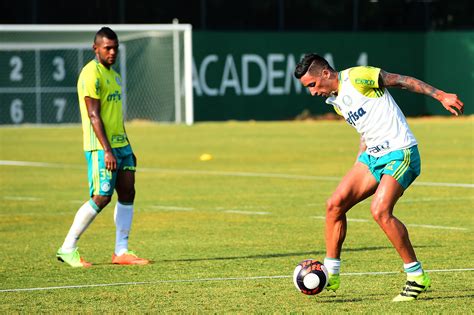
372,111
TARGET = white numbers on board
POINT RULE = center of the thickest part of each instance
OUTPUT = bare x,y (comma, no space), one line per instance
16,111
59,73
60,103
363,59
17,64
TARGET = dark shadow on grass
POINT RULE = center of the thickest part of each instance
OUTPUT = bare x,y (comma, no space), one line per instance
449,297
342,300
385,297
276,255
331,297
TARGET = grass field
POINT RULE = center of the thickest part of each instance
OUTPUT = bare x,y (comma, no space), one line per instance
225,235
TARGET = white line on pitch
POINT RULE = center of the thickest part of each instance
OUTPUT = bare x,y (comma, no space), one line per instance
348,219
224,173
22,198
422,199
40,164
428,226
374,273
417,200
81,286
438,184
172,208
247,212
33,214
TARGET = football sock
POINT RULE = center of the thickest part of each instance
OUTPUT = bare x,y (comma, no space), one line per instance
333,265
84,216
123,216
413,269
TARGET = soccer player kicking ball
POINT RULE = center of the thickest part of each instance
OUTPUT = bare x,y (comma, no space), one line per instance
111,162
388,160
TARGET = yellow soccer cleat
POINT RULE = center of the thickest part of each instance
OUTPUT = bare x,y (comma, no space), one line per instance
73,259
334,282
413,287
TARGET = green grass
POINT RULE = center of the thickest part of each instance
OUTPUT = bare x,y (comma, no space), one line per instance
210,242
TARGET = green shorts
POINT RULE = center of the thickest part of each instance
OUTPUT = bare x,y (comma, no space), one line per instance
403,165
102,181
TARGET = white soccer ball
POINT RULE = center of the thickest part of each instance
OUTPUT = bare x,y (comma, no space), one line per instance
310,277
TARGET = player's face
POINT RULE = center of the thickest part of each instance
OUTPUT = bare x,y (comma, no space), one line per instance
318,84
106,51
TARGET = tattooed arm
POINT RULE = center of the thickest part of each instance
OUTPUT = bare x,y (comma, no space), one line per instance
449,101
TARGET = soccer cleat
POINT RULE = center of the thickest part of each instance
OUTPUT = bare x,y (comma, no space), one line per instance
413,287
129,258
73,259
333,282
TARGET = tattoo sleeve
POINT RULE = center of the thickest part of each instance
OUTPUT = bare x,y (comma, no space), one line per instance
407,82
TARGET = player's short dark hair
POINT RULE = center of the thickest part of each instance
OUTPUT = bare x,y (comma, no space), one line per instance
105,32
312,63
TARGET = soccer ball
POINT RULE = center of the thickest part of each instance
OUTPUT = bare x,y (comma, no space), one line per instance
310,277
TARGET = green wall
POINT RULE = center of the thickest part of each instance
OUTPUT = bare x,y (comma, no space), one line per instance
245,76
449,65
236,75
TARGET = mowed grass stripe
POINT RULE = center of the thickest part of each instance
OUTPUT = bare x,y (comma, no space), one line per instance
223,173
257,167
428,226
83,286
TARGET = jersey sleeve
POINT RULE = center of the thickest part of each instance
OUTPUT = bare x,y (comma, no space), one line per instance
90,83
366,80
336,109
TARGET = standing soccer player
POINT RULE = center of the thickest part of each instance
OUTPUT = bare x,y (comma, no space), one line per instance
110,159
388,160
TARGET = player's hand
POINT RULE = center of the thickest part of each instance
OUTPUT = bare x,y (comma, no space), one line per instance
452,103
110,161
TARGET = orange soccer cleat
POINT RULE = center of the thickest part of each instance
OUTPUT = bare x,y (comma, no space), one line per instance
129,258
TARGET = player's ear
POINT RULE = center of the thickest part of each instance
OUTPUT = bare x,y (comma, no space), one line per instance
326,74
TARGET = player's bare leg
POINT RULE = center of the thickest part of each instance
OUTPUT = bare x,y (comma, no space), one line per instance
387,194
101,201
357,185
125,186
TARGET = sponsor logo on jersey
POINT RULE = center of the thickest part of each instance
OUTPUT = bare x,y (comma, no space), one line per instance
118,138
364,81
379,148
354,116
116,96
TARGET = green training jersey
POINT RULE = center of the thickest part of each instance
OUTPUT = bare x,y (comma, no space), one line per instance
98,82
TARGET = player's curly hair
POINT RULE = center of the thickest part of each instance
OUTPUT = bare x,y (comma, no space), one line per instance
105,32
312,63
